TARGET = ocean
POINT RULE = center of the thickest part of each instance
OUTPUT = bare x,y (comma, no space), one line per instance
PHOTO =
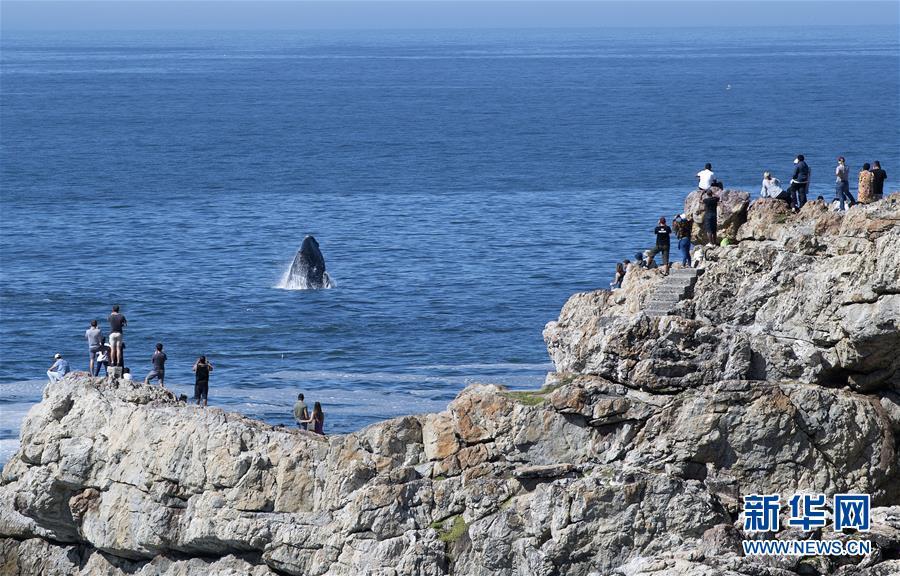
461,184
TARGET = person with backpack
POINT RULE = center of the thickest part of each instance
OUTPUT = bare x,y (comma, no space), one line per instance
683,234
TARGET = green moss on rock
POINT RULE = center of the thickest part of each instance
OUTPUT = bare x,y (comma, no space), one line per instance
451,529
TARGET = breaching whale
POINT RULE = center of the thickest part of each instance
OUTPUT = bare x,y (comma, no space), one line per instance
307,271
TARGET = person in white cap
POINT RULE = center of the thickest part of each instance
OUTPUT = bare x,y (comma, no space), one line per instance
59,369
683,233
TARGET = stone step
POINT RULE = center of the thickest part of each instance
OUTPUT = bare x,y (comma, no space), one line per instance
685,280
656,313
692,272
676,296
661,307
672,290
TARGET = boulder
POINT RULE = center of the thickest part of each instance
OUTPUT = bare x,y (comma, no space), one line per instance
731,213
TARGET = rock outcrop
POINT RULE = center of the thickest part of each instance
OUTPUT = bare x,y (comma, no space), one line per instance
730,214
777,374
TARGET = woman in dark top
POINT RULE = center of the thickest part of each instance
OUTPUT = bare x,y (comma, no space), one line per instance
878,178
317,419
710,218
620,275
202,368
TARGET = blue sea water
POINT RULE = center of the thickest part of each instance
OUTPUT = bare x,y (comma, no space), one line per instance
462,184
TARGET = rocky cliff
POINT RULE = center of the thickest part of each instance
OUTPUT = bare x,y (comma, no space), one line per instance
777,372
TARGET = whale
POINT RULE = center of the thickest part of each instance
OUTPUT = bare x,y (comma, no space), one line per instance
307,271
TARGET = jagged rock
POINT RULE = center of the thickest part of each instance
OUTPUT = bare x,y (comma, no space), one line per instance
731,213
777,374
798,305
36,557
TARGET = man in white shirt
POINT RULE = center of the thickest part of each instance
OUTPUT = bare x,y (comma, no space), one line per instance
706,177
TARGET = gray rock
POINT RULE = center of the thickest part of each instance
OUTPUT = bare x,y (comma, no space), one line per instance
777,374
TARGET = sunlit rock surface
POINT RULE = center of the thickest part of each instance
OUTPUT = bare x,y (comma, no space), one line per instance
778,373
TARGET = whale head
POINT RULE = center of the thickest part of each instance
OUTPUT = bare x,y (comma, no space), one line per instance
308,268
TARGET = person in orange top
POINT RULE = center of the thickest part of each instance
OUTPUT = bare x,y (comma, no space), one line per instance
866,185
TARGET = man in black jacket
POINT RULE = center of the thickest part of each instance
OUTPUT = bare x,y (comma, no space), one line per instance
799,182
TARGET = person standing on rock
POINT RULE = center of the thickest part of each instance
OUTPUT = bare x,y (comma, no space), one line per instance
842,183
878,178
201,369
159,366
317,419
117,323
799,182
59,369
301,413
710,217
95,339
866,185
663,243
683,233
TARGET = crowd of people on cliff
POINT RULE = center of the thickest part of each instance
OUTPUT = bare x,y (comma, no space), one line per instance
871,179
108,352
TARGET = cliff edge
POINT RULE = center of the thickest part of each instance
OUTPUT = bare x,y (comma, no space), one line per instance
776,371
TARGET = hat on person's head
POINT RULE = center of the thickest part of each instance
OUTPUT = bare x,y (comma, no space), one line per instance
57,356
683,215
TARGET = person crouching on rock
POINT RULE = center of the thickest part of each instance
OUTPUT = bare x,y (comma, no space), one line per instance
59,369
159,366
663,243
202,368
710,216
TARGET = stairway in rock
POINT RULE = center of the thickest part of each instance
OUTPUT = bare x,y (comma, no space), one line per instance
673,288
